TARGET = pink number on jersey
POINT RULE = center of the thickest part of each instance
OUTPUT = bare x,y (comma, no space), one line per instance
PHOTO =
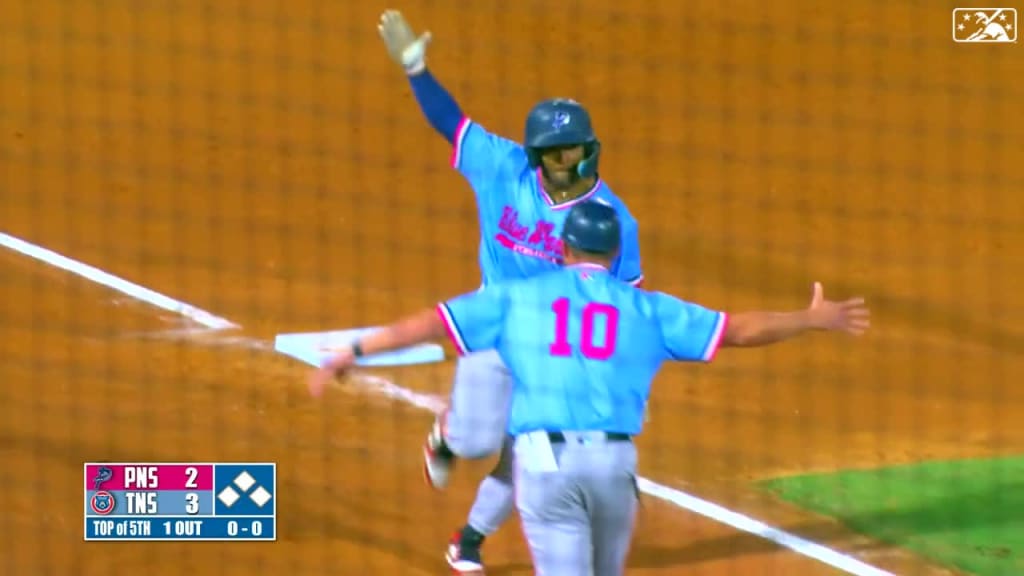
561,346
611,317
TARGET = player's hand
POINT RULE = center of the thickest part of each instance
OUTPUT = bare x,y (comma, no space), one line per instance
404,47
331,369
850,316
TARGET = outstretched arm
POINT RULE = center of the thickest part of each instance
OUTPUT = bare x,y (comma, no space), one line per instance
472,321
409,52
749,329
423,326
693,333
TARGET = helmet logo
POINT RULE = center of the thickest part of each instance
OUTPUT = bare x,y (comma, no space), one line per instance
561,119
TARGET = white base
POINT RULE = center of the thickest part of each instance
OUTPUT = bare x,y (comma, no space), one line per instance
314,348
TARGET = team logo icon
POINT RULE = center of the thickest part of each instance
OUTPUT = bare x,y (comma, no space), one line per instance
102,502
102,475
984,25
561,119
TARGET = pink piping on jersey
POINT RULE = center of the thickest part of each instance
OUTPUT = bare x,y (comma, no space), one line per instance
591,266
452,329
716,337
588,266
460,135
456,159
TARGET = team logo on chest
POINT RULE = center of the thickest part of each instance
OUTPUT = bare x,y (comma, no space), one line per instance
539,240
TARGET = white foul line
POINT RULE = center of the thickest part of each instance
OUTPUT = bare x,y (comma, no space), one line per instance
391,390
110,281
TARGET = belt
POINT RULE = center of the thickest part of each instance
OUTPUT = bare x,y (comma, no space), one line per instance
557,437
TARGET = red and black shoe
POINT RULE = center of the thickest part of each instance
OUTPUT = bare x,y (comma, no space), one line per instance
464,556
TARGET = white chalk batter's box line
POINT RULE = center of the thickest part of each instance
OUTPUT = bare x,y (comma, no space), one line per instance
213,323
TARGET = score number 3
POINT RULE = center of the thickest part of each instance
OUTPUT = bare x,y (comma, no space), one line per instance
191,498
591,313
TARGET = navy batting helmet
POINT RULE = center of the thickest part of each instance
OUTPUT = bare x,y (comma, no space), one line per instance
561,122
592,226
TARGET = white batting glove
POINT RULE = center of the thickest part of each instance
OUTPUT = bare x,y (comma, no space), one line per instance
407,50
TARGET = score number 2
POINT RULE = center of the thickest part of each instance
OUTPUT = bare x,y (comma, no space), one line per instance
591,313
191,499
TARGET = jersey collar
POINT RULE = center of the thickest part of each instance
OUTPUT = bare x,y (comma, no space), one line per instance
588,266
570,203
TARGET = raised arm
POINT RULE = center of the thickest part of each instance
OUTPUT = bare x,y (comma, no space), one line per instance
409,52
437,104
480,156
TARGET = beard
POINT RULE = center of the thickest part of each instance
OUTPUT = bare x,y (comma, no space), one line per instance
561,180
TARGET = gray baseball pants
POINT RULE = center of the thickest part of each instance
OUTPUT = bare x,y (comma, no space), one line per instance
578,501
476,427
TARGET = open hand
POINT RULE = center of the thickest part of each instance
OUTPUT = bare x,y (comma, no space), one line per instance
850,316
404,47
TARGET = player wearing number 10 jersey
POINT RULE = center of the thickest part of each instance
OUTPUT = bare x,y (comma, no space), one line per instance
582,345
583,348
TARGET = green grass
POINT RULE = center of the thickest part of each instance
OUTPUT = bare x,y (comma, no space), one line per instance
965,514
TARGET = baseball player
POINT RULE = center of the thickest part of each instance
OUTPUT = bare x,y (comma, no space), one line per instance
583,348
523,193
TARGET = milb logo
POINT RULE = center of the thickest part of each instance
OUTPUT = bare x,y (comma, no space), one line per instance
984,25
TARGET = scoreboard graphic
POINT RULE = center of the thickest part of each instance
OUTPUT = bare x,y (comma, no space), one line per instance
180,502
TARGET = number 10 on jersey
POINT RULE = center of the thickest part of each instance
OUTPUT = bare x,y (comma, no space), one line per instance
594,315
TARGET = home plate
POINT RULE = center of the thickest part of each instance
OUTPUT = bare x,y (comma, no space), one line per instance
314,348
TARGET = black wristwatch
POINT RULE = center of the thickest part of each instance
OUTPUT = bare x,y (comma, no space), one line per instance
357,349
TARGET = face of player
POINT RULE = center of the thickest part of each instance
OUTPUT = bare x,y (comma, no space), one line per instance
560,165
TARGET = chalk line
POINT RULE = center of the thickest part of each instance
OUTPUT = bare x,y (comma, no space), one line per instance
98,276
432,403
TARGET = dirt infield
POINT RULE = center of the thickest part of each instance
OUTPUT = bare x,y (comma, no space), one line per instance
265,161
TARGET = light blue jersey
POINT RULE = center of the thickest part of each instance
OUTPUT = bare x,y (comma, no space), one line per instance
520,227
582,346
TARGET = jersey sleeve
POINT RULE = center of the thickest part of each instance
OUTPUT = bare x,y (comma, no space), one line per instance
627,264
690,332
480,155
474,320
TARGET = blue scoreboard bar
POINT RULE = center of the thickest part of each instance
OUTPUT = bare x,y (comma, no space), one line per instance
180,501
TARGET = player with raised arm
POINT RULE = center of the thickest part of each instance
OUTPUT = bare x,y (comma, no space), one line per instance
583,348
523,193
